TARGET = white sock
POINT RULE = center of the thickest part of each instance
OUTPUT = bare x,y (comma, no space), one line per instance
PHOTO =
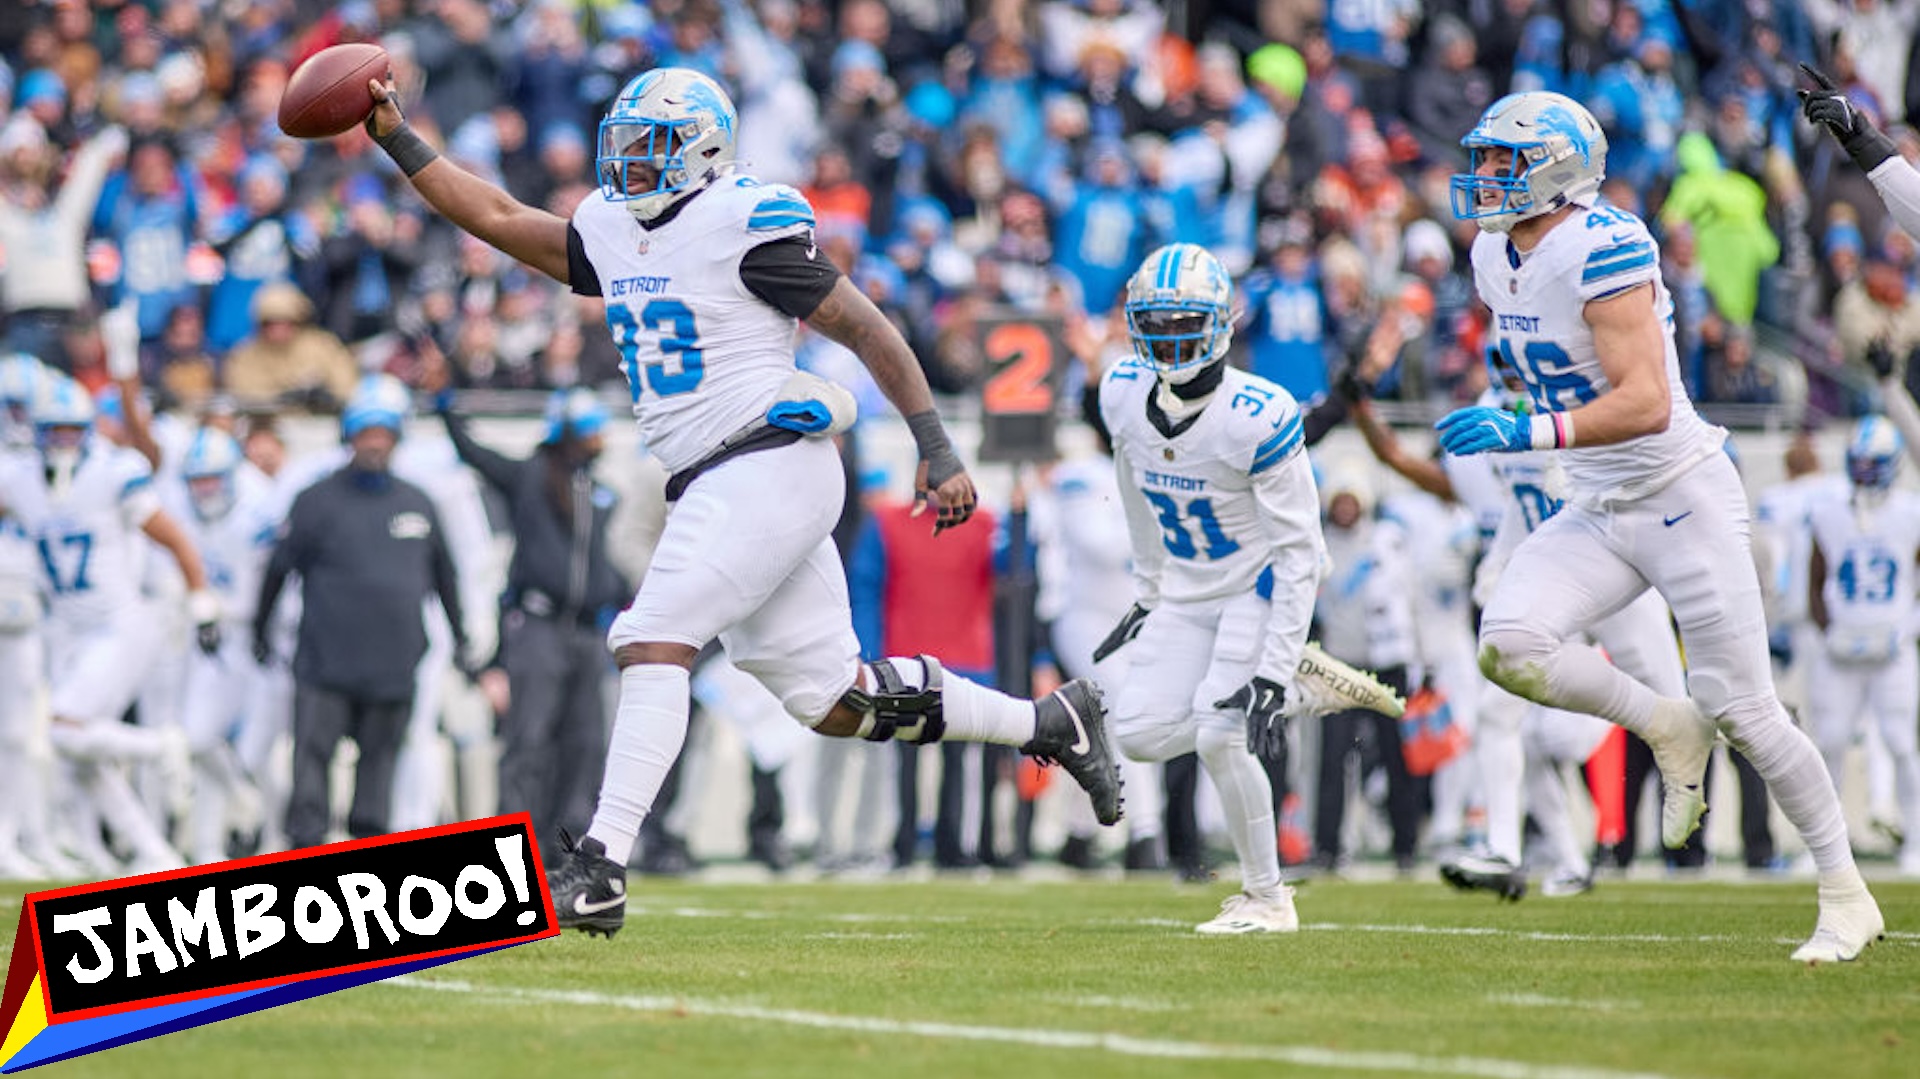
1246,801
113,797
1146,799
973,712
1796,777
1502,771
648,730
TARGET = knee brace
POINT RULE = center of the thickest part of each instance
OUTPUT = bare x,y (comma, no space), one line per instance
897,710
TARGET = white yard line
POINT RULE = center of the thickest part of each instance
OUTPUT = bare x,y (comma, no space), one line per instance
1535,1000
1311,1056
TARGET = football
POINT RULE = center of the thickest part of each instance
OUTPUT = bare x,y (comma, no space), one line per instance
328,94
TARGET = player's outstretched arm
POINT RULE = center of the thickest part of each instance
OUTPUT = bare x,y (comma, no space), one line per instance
1424,473
1898,182
847,316
528,233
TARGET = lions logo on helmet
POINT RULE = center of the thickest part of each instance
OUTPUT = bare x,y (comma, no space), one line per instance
62,423
667,135
208,468
1558,157
1178,311
1873,454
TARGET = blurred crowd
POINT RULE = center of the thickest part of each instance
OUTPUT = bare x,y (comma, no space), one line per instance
959,155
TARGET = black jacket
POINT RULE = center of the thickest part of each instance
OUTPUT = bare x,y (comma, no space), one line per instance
559,517
369,550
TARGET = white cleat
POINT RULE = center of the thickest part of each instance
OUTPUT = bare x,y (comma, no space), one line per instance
1325,685
1243,913
1682,742
1848,923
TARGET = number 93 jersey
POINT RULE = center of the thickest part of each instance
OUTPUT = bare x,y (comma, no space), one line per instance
1215,539
703,355
1538,304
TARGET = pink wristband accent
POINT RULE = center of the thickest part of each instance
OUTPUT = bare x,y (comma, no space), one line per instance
1562,431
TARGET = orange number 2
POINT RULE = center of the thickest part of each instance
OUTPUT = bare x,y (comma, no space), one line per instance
1023,385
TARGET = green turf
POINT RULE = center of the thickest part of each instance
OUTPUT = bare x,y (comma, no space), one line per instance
723,980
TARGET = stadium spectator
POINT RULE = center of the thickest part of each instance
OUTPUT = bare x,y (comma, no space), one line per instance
43,232
289,360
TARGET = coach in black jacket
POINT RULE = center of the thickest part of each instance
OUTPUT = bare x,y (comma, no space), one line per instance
561,592
369,550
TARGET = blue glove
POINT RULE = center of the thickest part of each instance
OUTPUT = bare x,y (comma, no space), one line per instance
1480,430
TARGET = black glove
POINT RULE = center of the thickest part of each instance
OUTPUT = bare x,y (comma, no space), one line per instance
1262,699
1351,385
1880,357
208,635
1127,630
262,650
1828,107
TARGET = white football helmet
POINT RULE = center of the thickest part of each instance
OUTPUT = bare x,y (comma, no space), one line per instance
378,401
1179,311
1873,454
671,120
62,425
208,468
1559,157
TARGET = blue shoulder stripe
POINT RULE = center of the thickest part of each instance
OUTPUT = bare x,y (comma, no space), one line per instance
1279,445
135,484
1595,272
782,202
765,222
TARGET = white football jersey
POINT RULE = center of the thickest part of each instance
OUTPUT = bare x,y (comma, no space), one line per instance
234,549
1538,326
1198,487
19,565
704,356
1090,529
87,536
1442,540
1780,519
1870,552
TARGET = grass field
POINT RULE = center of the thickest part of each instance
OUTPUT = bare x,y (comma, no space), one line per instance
1106,978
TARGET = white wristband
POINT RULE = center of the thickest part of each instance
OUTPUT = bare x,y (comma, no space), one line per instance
1551,431
203,607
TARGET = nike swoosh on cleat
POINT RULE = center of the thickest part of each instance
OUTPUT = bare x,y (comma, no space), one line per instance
581,906
1082,744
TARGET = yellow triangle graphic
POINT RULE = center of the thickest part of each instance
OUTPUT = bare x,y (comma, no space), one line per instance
28,1024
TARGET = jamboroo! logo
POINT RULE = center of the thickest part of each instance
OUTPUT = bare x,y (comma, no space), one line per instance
100,965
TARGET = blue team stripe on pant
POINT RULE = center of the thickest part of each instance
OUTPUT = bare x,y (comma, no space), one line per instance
1594,273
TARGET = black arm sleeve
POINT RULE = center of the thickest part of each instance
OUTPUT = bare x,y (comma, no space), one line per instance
580,273
499,470
791,275
446,580
1324,417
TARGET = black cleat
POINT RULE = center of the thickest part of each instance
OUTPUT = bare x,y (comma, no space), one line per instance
1146,856
1485,873
1077,853
589,889
1070,729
